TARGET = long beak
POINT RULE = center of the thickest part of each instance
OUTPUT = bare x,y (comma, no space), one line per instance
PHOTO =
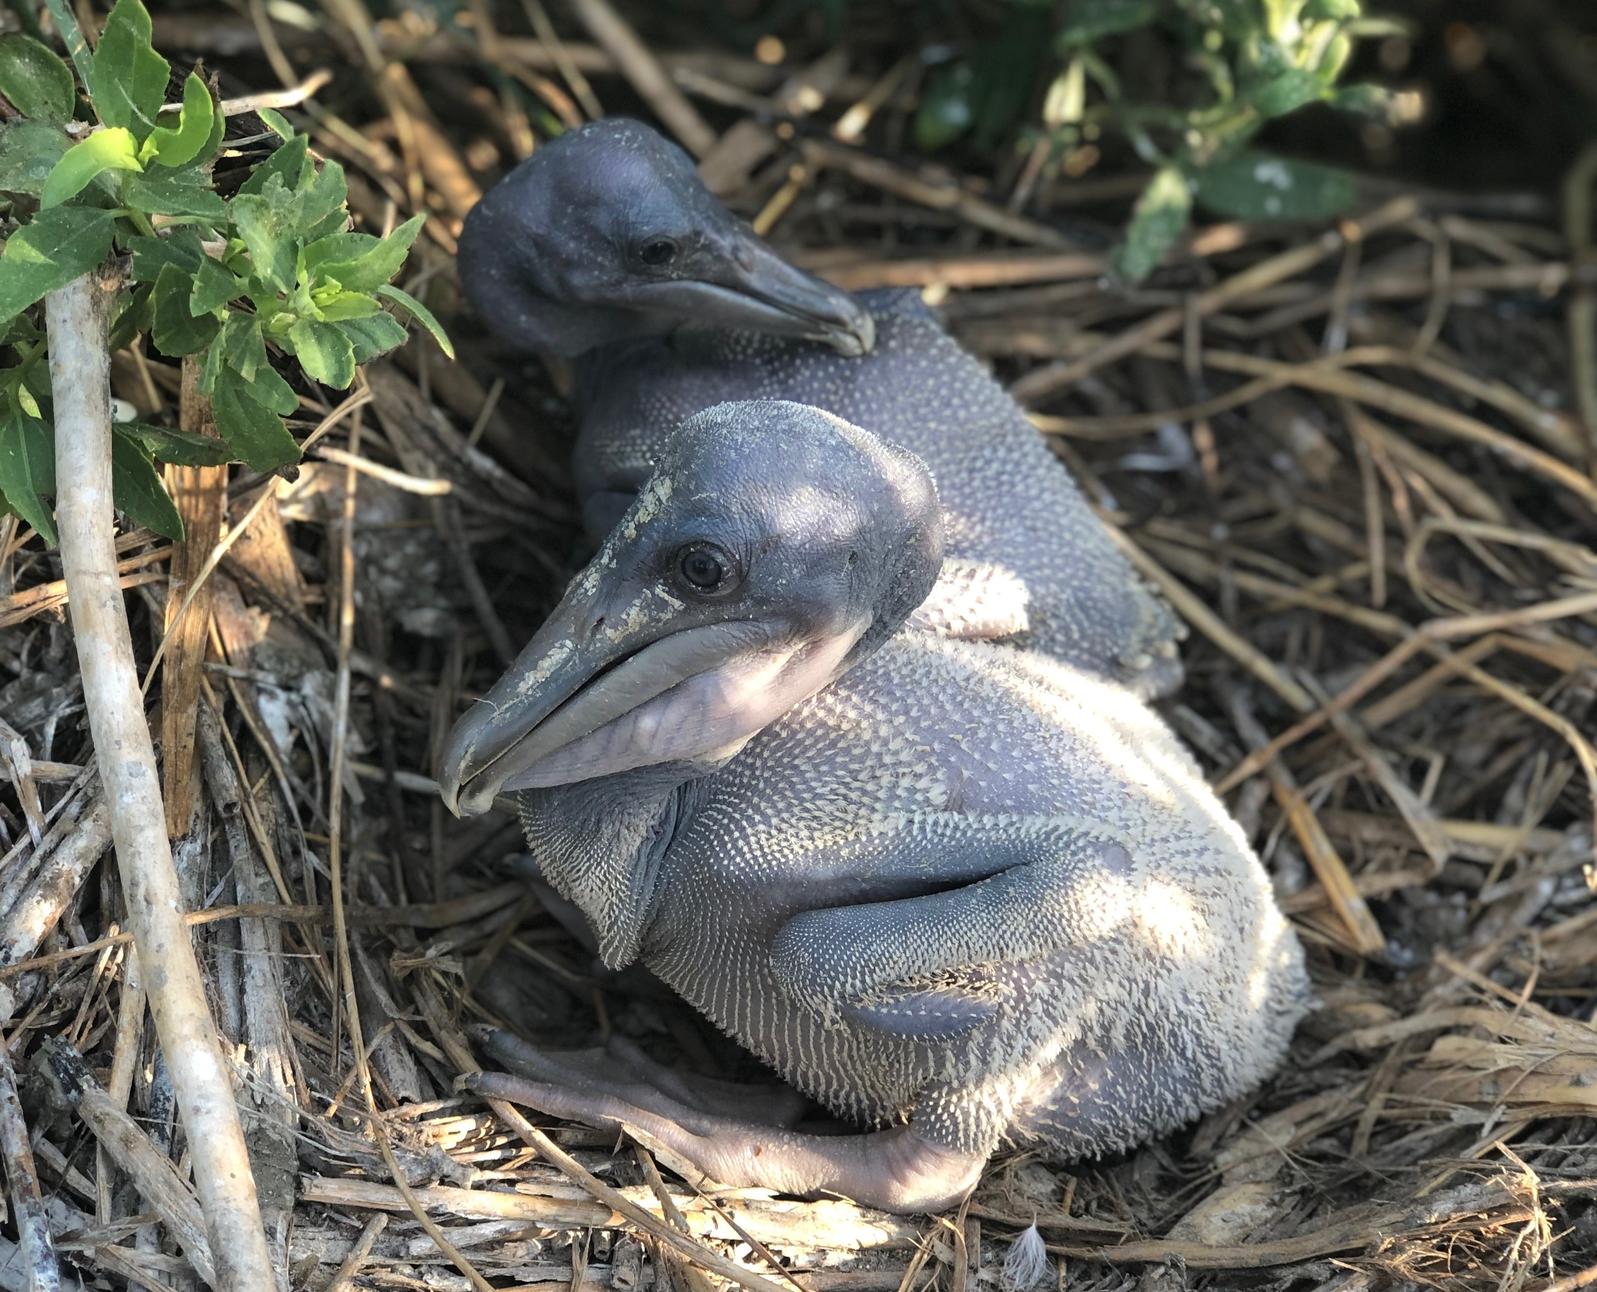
582,701
756,290
574,678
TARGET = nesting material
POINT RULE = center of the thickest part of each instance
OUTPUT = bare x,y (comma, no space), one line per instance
1351,455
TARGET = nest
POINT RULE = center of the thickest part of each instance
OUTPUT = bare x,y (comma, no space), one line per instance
1353,459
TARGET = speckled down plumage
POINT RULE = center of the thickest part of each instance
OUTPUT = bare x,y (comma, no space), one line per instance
1008,503
963,891
1109,962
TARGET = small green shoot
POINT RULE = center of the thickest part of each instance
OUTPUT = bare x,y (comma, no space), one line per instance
238,285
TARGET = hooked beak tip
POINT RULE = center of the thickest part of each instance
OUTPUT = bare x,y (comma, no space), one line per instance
455,768
856,338
463,800
449,791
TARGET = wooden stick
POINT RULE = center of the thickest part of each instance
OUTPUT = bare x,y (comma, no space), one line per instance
200,494
649,78
1354,1230
1329,376
72,852
344,1278
76,317
778,1223
935,191
264,997
27,1201
1196,612
127,1145
335,852
431,915
1042,382
1364,933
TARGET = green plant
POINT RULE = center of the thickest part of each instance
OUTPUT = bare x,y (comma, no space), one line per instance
1240,64
223,282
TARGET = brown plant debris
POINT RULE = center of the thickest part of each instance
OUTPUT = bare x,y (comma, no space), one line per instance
1353,455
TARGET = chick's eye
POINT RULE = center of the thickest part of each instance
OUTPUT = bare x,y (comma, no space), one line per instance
703,567
658,251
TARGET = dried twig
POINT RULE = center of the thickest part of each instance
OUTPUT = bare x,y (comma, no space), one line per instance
79,362
27,1200
344,1277
152,1172
200,495
640,66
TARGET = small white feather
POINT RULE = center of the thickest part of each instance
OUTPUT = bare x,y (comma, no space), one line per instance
1026,1264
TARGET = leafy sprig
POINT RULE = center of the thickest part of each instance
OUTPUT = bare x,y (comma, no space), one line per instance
1252,61
228,282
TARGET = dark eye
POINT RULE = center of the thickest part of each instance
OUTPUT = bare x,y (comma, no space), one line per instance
703,567
658,251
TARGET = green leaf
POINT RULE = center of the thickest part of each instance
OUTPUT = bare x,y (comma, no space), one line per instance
337,247
49,252
179,145
1331,10
183,448
38,83
186,194
276,122
1092,20
1157,221
1007,67
180,247
1285,92
322,209
254,433
1253,185
104,150
214,286
66,26
271,391
174,329
373,336
341,306
137,491
268,389
29,151
1362,99
133,317
129,81
947,109
214,361
324,352
421,314
20,331
265,221
1337,52
367,269
288,163
243,348
27,470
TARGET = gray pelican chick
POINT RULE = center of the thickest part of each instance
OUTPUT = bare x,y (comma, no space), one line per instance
605,245
963,894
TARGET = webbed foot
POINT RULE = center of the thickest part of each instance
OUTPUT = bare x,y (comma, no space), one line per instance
894,1170
620,1068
